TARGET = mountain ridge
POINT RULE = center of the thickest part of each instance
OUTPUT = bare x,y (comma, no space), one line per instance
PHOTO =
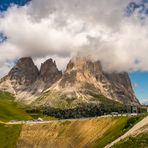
48,86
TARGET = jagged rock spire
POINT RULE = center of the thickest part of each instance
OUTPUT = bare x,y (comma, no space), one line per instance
24,72
49,72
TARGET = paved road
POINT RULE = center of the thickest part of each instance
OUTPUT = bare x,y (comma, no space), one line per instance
63,120
51,121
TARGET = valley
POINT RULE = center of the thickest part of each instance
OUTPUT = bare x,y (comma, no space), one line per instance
23,129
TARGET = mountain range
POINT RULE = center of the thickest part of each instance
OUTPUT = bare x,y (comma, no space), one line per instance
81,82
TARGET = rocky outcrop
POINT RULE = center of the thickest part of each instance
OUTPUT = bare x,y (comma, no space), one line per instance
24,72
122,88
81,70
49,72
27,82
84,77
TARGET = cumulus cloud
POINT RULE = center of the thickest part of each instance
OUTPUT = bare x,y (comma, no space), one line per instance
63,28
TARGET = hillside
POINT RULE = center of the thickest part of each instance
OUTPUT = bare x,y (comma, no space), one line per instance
88,133
136,135
9,109
138,141
80,133
9,135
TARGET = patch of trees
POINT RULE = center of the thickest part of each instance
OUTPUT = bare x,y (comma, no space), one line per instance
84,110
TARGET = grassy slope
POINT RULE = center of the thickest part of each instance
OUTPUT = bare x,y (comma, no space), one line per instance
109,105
120,126
9,135
77,133
96,132
140,141
64,102
112,133
10,110
91,133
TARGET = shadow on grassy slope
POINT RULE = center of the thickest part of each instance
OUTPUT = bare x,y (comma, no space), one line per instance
140,141
9,135
119,127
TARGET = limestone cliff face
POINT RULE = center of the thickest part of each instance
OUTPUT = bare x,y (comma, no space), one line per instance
27,82
49,72
82,78
24,72
20,77
81,70
122,88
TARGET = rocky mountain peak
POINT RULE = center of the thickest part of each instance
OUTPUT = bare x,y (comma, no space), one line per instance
76,63
84,64
49,72
83,73
82,69
24,72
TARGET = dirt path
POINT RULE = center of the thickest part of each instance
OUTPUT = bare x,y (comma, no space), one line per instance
134,130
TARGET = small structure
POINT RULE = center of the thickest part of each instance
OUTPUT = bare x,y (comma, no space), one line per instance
135,109
39,119
114,113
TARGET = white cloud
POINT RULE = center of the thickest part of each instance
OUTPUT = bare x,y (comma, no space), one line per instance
61,28
144,101
61,62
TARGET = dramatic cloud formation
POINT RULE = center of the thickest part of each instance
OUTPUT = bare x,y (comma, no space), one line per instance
102,29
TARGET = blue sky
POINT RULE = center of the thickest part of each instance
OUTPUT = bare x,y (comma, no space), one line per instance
4,4
139,79
140,84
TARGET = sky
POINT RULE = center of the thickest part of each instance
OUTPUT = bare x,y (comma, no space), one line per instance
140,85
112,31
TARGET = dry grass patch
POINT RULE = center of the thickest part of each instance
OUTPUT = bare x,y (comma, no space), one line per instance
67,134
